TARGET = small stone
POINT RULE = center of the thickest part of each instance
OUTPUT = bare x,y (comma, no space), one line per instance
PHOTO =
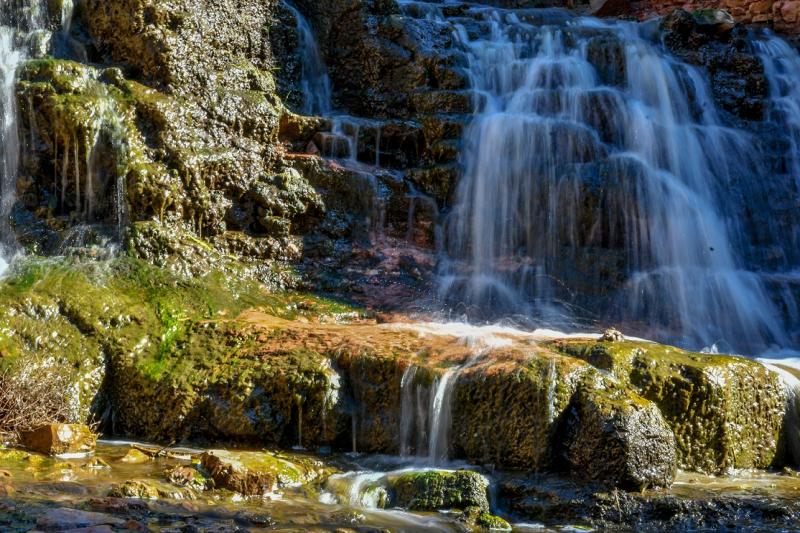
186,476
135,457
57,439
236,477
612,335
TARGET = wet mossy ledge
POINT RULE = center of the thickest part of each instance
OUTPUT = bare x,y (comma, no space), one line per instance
220,359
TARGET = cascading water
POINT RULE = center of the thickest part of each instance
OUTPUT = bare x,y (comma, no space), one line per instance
576,166
782,65
20,31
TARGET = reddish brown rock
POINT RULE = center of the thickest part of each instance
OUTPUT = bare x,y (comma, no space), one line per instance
236,477
56,439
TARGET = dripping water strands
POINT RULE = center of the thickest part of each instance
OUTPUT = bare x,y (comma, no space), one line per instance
426,405
352,142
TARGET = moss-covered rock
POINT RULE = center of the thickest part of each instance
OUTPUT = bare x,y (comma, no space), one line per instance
56,439
475,516
435,490
725,412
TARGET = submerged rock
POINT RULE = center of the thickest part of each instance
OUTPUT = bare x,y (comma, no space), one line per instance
56,439
438,490
63,518
146,489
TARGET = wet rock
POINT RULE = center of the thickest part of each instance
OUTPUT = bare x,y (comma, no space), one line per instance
186,476
709,39
55,439
63,518
146,489
618,438
685,386
136,457
475,516
714,20
612,335
236,477
438,490
141,490
609,8
553,500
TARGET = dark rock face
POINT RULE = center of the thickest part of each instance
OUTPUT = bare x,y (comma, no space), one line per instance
715,42
618,438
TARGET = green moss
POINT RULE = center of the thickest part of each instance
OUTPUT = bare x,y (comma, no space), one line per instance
724,411
437,490
175,333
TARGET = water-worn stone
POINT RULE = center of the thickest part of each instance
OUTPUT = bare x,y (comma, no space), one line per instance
688,386
618,438
64,518
55,439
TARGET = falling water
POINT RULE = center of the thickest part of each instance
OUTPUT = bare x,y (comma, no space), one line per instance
20,31
782,66
315,83
568,164
441,418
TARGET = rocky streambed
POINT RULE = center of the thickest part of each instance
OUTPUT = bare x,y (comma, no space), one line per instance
126,486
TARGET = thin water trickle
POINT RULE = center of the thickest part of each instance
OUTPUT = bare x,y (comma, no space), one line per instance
782,66
315,83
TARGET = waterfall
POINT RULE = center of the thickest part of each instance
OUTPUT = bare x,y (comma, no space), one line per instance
574,164
21,28
315,83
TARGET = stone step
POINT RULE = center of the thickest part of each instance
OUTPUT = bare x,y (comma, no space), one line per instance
436,181
441,101
442,152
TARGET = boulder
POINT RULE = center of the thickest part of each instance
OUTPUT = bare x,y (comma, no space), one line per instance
725,412
56,439
438,490
616,437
